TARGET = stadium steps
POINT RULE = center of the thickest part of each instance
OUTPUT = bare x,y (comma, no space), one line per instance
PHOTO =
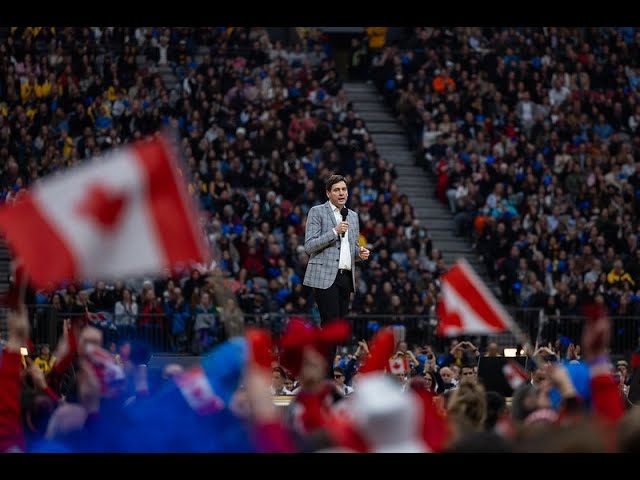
419,186
168,77
165,72
201,52
391,143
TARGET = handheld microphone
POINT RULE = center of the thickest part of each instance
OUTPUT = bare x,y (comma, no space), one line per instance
344,212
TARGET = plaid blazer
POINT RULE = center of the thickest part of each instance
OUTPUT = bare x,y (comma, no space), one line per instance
323,247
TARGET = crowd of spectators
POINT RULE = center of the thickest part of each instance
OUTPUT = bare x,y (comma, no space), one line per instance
532,134
262,125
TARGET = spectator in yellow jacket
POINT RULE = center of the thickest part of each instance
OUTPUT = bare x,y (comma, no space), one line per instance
617,275
377,37
28,89
45,361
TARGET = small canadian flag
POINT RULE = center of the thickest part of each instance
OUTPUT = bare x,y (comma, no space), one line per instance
110,374
514,374
97,317
122,215
399,365
197,391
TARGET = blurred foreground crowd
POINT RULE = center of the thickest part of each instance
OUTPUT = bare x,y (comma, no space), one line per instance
92,400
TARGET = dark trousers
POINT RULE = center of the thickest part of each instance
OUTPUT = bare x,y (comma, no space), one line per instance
333,303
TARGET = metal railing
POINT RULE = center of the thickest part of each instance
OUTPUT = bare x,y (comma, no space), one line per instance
158,331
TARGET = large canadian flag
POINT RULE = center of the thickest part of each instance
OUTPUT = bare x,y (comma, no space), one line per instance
467,306
125,214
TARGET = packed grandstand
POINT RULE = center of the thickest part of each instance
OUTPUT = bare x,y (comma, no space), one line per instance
530,137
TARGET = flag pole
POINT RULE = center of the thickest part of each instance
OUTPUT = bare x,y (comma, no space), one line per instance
22,292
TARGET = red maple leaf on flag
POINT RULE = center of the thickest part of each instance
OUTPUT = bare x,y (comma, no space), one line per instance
103,205
398,366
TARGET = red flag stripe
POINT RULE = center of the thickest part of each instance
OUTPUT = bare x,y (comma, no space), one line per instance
462,279
33,239
177,235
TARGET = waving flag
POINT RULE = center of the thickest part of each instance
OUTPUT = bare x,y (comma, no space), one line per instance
399,366
110,374
100,319
125,214
514,374
467,306
197,391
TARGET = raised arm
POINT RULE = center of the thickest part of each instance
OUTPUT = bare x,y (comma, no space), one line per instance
269,433
18,329
606,400
11,433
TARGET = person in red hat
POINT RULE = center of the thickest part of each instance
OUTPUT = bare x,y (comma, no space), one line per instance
304,352
379,417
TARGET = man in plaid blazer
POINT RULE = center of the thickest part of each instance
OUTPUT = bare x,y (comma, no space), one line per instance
332,245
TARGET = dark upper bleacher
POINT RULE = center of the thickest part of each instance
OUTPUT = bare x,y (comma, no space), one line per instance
532,133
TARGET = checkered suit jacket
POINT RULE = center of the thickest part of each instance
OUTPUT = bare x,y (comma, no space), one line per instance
323,247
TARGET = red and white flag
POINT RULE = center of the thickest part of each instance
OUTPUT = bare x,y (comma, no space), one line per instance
197,391
102,319
399,366
467,305
514,374
110,374
122,215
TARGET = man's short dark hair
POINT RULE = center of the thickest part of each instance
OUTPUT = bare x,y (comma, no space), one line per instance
332,180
